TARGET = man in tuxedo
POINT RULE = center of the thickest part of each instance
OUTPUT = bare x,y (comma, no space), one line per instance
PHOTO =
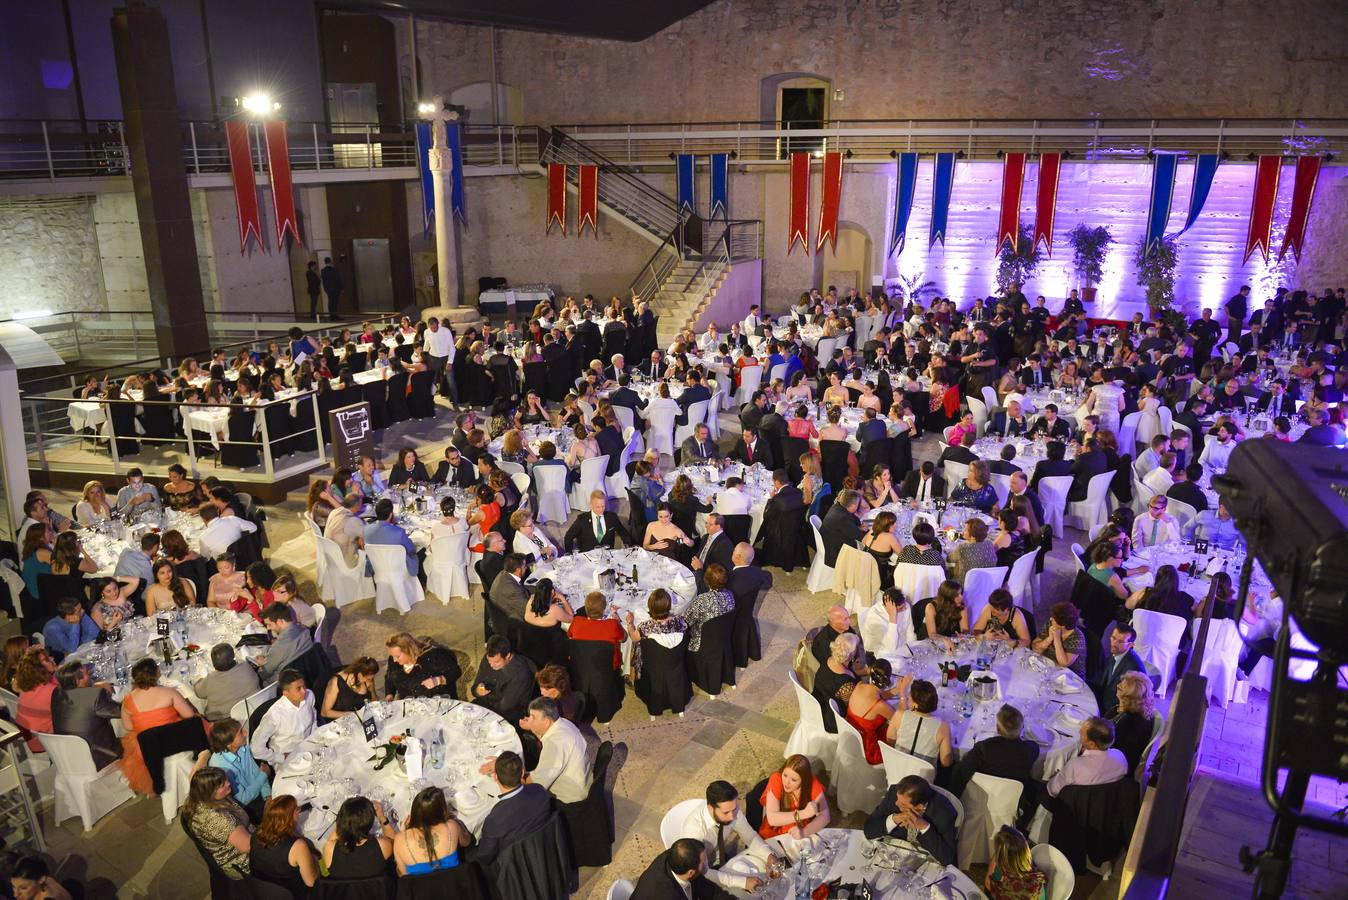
463,424
1005,755
455,470
652,368
1020,487
1051,424
1122,660
712,547
617,369
508,592
913,811
84,709
746,579
751,413
961,452
699,448
871,428
1003,465
1275,401
923,483
840,525
1010,422
1186,489
1053,464
677,874
694,392
751,450
596,528
520,810
786,497
736,339
1091,461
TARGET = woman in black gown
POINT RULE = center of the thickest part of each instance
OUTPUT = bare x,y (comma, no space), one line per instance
351,688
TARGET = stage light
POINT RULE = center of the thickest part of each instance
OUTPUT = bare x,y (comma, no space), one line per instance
259,105
425,110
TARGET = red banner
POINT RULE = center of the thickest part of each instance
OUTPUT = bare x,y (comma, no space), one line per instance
1046,201
282,192
1266,175
1308,172
800,202
245,190
1013,180
828,207
588,206
556,197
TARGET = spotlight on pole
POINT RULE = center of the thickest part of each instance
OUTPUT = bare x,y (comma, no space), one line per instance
426,110
259,105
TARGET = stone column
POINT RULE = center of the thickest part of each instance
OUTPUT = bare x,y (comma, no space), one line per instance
446,252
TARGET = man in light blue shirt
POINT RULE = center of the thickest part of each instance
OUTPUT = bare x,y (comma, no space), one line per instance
368,478
383,531
137,495
1216,527
69,628
231,754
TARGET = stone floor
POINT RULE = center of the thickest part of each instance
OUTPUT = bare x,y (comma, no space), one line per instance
132,853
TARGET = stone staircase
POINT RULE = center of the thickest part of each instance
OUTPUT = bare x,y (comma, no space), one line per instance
684,293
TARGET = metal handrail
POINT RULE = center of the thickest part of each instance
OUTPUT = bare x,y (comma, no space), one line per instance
656,211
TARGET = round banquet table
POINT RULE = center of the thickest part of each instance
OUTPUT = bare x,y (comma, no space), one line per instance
1263,610
1029,453
809,333
534,436
948,522
1032,401
334,763
105,543
1054,700
205,629
417,510
897,870
709,480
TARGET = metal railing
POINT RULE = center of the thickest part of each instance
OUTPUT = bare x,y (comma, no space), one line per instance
651,279
619,189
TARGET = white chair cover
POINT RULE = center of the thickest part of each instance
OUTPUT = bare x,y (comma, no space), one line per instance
1094,510
14,582
616,484
1053,495
899,765
1051,861
918,582
1184,513
242,711
177,777
1128,432
697,415
394,586
1002,485
820,577
809,736
622,890
979,583
1020,580
750,378
553,504
989,803
778,371
954,802
980,411
591,479
626,418
339,582
661,431
713,419
954,473
990,397
1158,640
860,785
1221,658
447,567
510,468
81,789
671,826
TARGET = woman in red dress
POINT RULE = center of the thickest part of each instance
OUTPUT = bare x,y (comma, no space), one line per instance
785,809
869,713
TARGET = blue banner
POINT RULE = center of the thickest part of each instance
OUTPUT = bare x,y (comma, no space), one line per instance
904,190
1162,193
942,186
720,184
456,170
1205,169
686,162
424,171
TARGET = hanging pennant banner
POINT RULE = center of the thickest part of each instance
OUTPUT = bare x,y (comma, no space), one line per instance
245,190
556,197
687,182
828,208
424,174
904,189
588,203
799,215
1163,167
1013,180
720,184
282,191
453,144
942,186
1046,199
1205,170
1266,174
1308,172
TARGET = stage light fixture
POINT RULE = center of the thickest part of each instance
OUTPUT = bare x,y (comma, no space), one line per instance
425,110
259,105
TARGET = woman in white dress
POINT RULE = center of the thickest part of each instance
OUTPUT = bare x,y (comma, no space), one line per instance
1149,423
1104,400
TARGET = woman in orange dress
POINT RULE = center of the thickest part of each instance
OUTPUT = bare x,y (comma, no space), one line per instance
785,809
148,705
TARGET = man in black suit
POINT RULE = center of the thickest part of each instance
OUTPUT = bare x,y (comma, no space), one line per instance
699,448
1191,418
1122,660
504,682
1006,755
596,528
615,337
1275,400
1020,487
1321,433
751,413
751,450
1009,422
772,426
786,497
736,339
840,525
84,709
610,441
1051,424
652,368
961,452
923,483
463,424
332,285
839,622
1053,464
913,811
1033,375
746,579
713,547
1003,465
508,592
677,874
588,332
617,368
1186,489
1091,461
694,392
455,470
625,397
871,428
520,810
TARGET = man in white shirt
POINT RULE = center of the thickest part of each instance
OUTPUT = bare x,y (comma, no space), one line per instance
1151,458
220,531
437,344
1161,478
1097,763
751,321
726,834
287,723
1156,527
732,501
563,766
1217,453
710,339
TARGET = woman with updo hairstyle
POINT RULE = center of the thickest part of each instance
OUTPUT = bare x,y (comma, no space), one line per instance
917,731
1135,720
837,677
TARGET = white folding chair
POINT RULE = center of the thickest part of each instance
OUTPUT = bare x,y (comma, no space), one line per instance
339,582
778,371
616,484
660,434
591,479
1142,494
177,778
823,351
320,613
522,483
626,418
750,378
1128,432
1051,861
1167,419
553,504
510,468
990,397
1019,581
82,789
1053,496
697,415
954,802
979,584
899,765
1157,729
671,826
394,586
989,803
954,473
620,890
1183,513
809,737
713,418
1158,640
14,581
820,577
243,710
918,582
1221,659
447,567
1078,553
859,784
1002,485
1094,510
980,411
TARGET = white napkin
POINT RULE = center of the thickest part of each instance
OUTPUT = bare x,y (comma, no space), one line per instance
413,758
1064,684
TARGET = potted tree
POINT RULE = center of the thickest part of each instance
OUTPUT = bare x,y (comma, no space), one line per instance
1088,256
1017,266
1156,273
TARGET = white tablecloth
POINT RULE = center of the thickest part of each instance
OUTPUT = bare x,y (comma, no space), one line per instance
534,436
334,763
1029,453
949,522
525,298
411,512
1263,612
708,481
104,545
577,574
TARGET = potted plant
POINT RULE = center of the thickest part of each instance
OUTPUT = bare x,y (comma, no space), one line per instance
1088,256
1156,273
1018,265
914,289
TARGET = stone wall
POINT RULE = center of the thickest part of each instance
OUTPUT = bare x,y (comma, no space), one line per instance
49,256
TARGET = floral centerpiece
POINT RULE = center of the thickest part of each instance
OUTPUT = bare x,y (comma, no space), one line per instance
394,748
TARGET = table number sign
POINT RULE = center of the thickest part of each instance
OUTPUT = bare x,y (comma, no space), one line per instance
370,727
161,627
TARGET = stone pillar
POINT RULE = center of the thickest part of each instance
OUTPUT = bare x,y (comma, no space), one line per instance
153,137
446,251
